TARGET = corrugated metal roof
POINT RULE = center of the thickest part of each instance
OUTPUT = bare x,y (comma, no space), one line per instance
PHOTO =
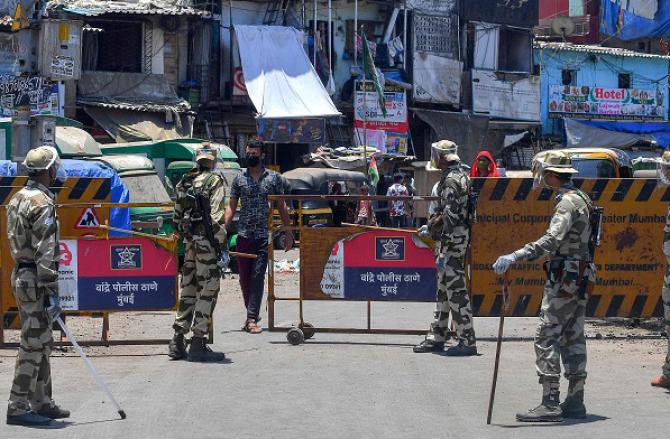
182,107
94,8
613,51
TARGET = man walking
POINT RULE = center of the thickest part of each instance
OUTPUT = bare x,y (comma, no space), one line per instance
32,230
570,276
199,216
397,208
449,228
664,176
252,189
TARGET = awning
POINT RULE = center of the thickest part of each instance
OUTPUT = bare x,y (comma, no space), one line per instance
610,134
94,8
129,91
135,126
467,130
279,77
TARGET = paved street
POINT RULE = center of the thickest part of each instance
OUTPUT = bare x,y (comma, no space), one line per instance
339,386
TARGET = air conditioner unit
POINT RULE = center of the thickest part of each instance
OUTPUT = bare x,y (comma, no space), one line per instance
59,54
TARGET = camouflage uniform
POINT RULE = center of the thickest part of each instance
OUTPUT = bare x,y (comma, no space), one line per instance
666,293
32,229
201,276
453,190
560,333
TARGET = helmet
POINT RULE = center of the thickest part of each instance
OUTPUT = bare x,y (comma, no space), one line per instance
206,152
42,158
554,161
663,168
443,148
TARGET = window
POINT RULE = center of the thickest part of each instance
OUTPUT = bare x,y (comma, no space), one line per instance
117,47
514,50
624,80
568,77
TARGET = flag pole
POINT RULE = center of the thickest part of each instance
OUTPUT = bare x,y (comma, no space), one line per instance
365,109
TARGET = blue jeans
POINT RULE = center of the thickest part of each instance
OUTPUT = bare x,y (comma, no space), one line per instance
252,273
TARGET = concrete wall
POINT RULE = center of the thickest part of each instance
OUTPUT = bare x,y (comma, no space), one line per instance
601,71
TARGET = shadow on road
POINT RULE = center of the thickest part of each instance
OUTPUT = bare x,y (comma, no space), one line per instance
347,343
566,423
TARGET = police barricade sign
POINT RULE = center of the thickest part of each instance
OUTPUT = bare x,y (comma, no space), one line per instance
116,275
630,262
380,265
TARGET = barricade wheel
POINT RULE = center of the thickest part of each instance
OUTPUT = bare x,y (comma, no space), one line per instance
308,330
295,336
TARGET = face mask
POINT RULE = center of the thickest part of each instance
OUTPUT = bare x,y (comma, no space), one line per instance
253,160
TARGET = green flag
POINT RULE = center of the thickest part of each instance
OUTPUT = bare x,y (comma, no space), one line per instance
369,72
373,173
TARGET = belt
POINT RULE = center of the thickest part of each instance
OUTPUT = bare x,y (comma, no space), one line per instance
20,265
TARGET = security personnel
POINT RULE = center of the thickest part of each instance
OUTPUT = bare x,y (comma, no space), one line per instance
449,228
664,176
199,217
570,276
32,230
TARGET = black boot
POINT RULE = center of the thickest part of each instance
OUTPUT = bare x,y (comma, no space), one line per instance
177,348
573,407
54,412
200,352
28,419
549,410
429,346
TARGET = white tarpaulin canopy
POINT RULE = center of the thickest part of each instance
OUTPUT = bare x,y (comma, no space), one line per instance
279,77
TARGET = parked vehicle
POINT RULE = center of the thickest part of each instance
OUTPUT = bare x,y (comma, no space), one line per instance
598,162
316,181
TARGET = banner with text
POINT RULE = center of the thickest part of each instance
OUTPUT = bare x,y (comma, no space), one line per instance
630,260
380,265
128,274
605,103
388,134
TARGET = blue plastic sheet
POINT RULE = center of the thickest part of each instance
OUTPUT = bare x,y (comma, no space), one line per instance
619,22
659,130
119,218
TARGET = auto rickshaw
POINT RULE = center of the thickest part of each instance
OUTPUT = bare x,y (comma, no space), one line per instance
319,181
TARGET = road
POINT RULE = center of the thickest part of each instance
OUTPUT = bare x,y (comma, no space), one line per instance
340,386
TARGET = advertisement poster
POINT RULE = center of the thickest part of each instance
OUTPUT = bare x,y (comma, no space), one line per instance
29,92
507,100
606,103
291,130
130,273
387,134
380,265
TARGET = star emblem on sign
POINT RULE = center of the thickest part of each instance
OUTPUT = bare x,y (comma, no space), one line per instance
127,256
390,248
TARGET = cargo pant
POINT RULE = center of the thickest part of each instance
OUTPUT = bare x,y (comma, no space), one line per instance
201,282
666,309
32,374
560,333
452,294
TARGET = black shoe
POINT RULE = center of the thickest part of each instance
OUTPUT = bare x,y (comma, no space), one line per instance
461,351
177,347
200,352
573,410
541,413
54,412
429,346
28,419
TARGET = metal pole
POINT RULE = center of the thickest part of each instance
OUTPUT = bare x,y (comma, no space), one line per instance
503,311
314,33
404,35
98,378
231,66
356,33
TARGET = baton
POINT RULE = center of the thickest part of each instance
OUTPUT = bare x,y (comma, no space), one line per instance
170,239
98,378
503,311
